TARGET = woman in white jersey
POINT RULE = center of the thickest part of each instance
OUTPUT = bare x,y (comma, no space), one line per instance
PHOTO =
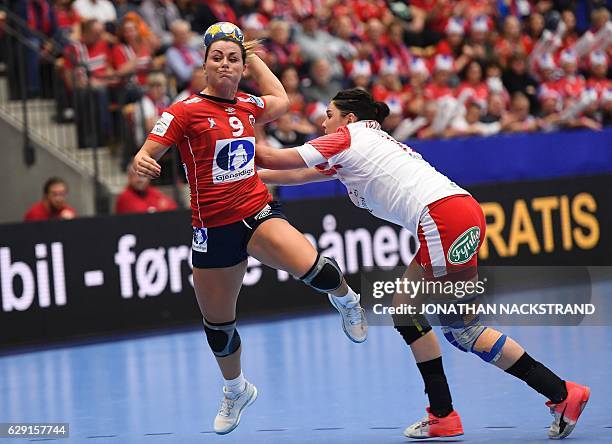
394,183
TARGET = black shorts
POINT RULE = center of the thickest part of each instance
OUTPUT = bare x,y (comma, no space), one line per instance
225,246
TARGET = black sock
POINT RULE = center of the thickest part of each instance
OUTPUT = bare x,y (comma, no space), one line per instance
539,378
436,387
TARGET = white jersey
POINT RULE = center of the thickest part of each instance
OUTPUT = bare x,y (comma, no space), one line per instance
382,175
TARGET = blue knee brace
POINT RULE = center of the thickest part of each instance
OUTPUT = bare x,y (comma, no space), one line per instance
465,338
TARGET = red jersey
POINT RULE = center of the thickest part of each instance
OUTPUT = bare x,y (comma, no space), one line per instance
95,57
571,86
66,18
444,48
150,200
216,140
39,211
123,53
480,92
434,92
599,85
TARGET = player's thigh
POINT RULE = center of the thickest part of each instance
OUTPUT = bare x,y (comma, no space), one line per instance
217,291
279,245
405,295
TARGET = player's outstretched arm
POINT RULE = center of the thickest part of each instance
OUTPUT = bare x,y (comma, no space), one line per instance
272,91
145,160
298,176
278,159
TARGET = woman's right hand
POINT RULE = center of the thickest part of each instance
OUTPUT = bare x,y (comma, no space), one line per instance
145,165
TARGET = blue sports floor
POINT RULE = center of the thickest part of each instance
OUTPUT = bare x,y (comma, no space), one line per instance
314,387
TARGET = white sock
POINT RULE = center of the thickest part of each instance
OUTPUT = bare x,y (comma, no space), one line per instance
351,296
236,385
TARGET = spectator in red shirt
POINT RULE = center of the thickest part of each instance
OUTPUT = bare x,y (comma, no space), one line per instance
208,12
439,87
88,73
53,205
360,74
455,45
453,42
68,20
368,9
474,83
571,84
430,17
397,49
598,68
389,84
375,39
139,196
132,55
570,37
546,70
512,40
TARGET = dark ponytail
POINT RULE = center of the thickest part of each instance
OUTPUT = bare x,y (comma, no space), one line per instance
359,102
382,111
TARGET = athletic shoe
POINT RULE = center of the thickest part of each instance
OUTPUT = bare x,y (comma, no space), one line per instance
354,321
232,406
566,413
433,427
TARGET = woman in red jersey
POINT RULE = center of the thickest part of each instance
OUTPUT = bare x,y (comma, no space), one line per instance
233,215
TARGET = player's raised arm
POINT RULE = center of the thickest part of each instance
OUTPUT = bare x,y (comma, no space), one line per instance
298,176
272,91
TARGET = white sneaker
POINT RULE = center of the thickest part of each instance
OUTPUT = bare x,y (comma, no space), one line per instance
354,321
433,427
232,406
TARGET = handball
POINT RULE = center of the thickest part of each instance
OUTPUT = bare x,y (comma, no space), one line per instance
223,30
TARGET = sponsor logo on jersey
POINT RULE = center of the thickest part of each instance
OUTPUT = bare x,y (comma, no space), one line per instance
200,240
253,99
211,122
230,110
234,160
162,124
464,247
251,119
263,213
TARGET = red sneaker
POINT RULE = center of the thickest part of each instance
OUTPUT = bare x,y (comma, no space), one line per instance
566,413
433,427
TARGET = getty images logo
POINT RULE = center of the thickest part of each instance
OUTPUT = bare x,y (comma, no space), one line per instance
23,297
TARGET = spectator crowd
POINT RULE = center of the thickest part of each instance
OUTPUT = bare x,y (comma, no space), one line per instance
446,68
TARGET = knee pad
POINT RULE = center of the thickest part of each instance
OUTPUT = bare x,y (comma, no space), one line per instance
223,338
413,329
412,333
464,339
324,276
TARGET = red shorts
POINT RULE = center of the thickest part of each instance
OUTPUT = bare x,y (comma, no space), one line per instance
450,232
